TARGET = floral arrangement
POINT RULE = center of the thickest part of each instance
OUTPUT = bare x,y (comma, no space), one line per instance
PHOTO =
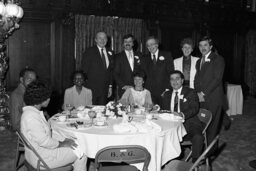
114,109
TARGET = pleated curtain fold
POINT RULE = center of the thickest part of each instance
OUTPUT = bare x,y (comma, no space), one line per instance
86,26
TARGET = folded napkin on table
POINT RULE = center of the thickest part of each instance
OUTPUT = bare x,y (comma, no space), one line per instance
170,117
124,127
147,126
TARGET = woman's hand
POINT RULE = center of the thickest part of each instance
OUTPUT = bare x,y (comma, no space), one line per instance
68,143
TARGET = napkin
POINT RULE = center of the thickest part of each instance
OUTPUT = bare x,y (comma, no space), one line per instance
144,127
170,117
147,126
155,126
124,127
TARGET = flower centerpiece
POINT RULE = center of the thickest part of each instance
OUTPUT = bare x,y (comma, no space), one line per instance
114,109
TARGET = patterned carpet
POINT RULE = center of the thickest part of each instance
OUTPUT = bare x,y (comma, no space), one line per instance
239,141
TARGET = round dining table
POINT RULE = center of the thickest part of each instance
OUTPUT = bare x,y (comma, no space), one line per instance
163,145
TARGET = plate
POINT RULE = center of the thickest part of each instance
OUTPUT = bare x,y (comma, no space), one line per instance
101,126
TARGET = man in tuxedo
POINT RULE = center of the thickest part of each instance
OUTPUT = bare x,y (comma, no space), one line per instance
183,101
187,63
158,65
97,63
126,62
208,84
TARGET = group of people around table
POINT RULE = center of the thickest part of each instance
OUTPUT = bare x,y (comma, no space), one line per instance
181,86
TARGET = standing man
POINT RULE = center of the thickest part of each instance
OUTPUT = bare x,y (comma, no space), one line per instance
26,76
187,63
126,62
208,84
158,65
98,63
183,101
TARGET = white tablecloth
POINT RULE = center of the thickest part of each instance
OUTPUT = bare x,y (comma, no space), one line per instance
235,99
163,146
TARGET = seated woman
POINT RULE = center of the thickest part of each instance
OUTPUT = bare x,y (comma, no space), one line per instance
38,132
78,95
137,95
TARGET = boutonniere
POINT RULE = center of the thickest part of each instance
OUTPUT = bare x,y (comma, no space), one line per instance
161,58
181,97
137,59
110,53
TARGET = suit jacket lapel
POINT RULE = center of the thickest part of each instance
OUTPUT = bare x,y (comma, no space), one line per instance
205,65
159,54
182,94
125,59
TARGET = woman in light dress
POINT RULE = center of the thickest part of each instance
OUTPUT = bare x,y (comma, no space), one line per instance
77,95
137,95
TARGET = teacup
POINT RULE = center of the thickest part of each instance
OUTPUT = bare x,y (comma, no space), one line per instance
100,122
149,116
62,118
138,111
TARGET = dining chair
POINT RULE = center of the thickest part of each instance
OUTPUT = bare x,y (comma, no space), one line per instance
20,150
178,165
119,158
41,165
205,116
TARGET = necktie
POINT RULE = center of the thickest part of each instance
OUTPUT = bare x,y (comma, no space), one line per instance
202,61
154,59
103,58
176,101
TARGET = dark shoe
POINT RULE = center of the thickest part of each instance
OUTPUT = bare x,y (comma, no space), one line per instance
252,164
226,122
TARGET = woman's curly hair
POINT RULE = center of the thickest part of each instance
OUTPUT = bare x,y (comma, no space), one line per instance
36,93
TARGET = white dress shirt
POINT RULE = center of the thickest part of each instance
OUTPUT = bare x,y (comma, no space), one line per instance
130,57
156,54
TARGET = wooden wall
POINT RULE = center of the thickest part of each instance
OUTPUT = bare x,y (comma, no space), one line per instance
45,44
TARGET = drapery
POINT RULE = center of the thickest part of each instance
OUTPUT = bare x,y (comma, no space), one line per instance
115,27
250,62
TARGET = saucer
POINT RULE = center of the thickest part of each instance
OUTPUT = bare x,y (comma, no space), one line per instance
100,126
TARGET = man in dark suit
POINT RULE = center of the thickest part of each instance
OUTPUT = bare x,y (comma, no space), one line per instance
126,62
208,84
183,101
98,62
158,66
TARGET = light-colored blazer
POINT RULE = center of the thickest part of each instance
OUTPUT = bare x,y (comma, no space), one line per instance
178,65
38,132
73,98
